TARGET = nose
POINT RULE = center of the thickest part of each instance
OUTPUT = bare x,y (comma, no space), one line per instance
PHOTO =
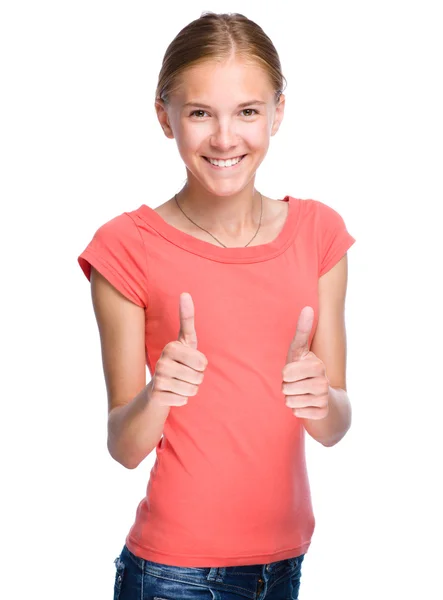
224,137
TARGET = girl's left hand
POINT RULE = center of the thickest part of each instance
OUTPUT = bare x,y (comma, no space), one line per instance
305,383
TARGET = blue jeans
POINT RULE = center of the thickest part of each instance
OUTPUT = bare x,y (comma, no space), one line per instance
140,579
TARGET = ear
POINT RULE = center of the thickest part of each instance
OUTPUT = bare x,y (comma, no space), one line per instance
162,115
279,112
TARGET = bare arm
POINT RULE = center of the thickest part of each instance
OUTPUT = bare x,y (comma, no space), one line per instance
329,344
135,423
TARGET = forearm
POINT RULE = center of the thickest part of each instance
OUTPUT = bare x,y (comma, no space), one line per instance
135,429
330,430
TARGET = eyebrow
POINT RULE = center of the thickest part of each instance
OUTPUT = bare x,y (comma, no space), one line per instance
239,106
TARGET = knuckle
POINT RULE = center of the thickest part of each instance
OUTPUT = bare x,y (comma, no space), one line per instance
168,349
203,361
161,368
157,379
323,403
318,369
321,387
176,345
325,385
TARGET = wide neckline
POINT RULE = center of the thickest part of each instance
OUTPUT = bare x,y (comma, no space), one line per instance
219,253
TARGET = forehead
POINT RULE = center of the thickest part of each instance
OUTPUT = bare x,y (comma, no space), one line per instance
232,79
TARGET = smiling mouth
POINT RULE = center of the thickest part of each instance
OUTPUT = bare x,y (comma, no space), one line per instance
225,159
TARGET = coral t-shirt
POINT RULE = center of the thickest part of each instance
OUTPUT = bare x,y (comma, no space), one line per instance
229,485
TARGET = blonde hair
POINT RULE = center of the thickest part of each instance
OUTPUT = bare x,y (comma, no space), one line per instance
216,37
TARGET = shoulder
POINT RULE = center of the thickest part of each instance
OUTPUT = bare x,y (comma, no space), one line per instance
325,213
119,229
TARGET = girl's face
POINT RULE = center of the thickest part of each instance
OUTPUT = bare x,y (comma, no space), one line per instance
222,111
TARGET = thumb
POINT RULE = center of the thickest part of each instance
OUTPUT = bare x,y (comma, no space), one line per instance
187,334
299,345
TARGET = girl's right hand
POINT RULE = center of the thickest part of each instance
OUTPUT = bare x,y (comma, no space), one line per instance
180,369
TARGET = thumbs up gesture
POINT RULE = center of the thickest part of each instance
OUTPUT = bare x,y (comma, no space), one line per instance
305,383
180,369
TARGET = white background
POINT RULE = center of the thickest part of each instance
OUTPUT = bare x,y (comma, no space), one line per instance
80,144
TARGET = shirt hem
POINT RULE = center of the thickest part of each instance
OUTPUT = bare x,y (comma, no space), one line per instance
188,560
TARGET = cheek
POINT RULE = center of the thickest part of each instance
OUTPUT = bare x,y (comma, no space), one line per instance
257,136
191,138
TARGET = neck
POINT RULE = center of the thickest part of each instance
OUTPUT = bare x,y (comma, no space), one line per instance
231,216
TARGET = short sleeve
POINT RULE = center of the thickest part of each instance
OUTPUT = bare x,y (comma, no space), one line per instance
117,251
334,239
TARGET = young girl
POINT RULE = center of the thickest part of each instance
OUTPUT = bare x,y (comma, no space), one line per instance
219,291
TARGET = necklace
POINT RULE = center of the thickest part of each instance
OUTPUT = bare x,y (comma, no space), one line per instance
210,232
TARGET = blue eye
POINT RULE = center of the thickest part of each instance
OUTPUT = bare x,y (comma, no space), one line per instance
203,111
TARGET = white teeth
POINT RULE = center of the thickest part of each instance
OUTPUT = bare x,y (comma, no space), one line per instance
225,163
